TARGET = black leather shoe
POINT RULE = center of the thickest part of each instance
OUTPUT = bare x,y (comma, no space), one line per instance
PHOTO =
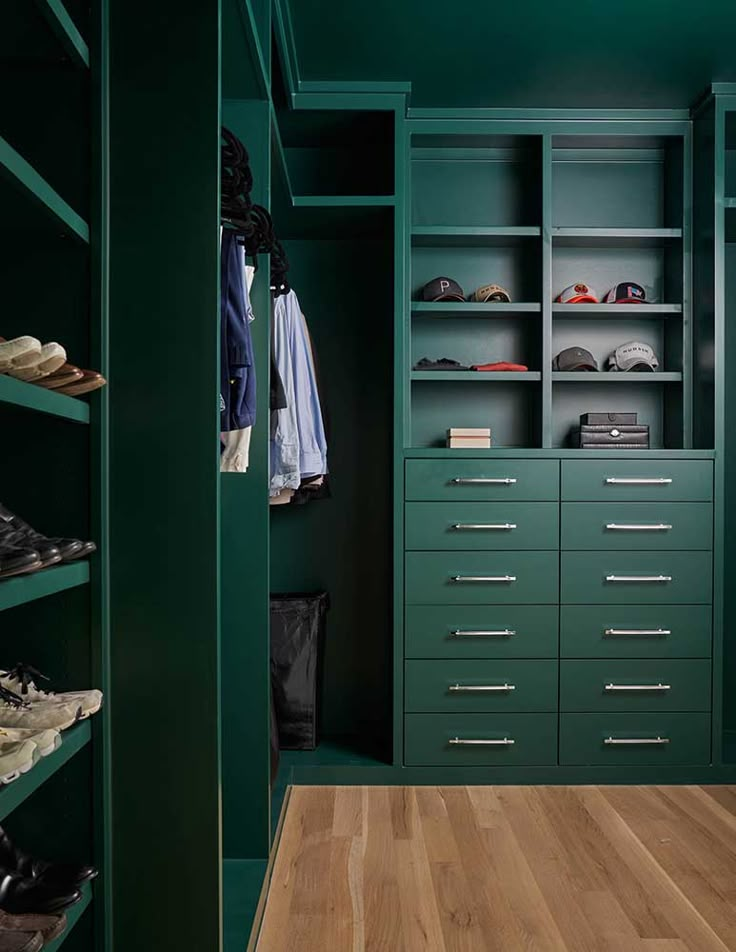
61,876
20,895
15,560
17,532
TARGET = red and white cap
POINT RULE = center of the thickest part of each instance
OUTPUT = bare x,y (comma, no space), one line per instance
578,294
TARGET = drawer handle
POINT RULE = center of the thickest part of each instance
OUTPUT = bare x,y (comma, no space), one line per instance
483,481
644,632
657,481
483,578
481,687
473,742
636,740
641,527
638,578
469,633
638,687
469,526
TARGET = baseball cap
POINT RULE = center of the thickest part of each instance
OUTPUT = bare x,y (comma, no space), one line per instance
574,358
626,293
634,355
579,293
492,293
442,289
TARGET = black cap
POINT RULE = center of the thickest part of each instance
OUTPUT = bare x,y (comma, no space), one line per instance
574,358
442,289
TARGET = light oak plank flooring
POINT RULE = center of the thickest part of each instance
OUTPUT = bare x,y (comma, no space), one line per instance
500,869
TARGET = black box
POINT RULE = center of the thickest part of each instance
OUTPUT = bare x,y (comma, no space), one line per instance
606,437
615,419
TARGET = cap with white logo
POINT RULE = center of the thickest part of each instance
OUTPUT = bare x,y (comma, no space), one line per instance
579,293
442,289
635,356
626,293
490,293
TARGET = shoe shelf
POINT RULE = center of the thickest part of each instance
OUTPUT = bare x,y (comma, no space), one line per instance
62,25
472,309
15,793
73,916
27,588
629,379
479,376
22,180
438,236
29,396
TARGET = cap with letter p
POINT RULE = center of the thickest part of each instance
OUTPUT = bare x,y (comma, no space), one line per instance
442,289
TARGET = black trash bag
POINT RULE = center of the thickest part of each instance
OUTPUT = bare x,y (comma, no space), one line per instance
297,639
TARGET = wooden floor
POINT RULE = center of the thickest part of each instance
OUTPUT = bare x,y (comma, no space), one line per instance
615,869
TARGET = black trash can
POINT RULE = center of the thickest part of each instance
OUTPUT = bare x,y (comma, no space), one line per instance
298,622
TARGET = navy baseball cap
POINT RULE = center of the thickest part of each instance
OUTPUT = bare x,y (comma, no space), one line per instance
626,293
442,289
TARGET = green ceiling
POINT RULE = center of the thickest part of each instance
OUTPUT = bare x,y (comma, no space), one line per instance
528,53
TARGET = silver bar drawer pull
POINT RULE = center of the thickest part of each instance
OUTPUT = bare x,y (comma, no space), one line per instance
483,578
482,687
469,633
641,527
469,526
638,687
483,481
468,742
620,481
636,740
638,578
644,632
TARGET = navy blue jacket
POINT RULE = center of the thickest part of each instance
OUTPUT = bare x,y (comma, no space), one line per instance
237,369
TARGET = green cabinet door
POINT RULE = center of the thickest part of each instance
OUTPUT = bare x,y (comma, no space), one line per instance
480,686
635,684
482,525
480,631
480,740
632,578
482,480
634,739
635,631
657,480
481,578
637,525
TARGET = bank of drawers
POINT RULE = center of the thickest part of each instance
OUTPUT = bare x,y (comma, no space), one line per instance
545,590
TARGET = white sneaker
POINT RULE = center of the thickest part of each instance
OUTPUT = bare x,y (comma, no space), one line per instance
52,357
20,352
19,681
16,758
46,741
37,715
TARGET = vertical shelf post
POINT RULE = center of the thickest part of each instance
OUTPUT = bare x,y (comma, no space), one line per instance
546,290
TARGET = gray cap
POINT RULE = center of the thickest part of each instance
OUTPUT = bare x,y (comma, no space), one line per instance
634,355
574,358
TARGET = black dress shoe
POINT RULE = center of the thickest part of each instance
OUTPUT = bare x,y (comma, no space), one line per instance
20,895
15,560
61,876
18,532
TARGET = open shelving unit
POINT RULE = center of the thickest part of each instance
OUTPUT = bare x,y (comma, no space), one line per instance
536,211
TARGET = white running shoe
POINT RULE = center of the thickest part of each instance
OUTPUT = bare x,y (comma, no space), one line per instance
53,356
46,741
20,681
16,758
20,352
37,715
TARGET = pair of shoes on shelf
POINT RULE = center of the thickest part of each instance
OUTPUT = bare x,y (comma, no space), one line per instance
28,359
72,381
23,549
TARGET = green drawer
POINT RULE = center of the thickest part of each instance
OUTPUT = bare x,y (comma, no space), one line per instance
586,739
451,578
635,631
638,480
637,525
615,684
482,525
480,686
481,479
596,577
468,631
520,739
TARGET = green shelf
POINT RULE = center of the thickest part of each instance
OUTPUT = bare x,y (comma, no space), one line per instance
35,190
438,236
622,378
626,311
343,201
475,376
13,794
62,25
20,589
472,309
72,918
729,202
620,237
30,397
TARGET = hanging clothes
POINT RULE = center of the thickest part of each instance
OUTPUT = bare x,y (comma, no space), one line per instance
237,368
298,442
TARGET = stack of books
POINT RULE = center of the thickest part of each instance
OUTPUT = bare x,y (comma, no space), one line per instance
469,438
